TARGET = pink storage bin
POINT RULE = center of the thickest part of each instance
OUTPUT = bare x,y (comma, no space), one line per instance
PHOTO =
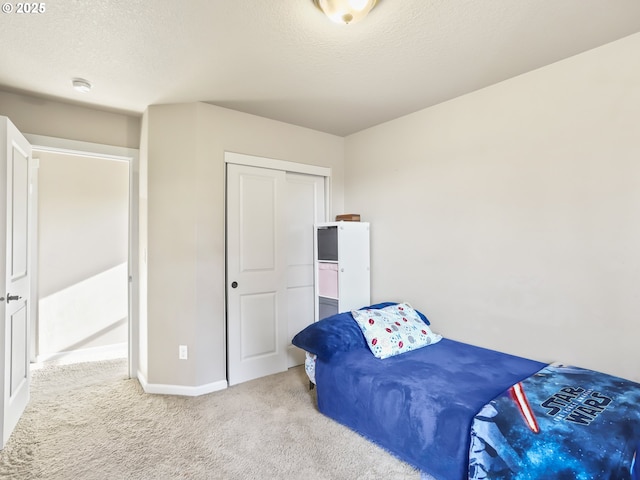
328,280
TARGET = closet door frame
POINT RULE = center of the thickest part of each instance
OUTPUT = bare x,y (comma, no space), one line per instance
241,371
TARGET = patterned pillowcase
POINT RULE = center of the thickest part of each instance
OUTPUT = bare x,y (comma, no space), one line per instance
393,330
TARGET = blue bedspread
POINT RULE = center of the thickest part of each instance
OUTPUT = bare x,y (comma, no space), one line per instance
418,405
577,423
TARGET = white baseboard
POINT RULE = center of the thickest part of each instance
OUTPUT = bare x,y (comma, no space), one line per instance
106,352
161,389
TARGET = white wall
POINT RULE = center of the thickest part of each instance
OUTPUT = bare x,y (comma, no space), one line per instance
40,116
83,248
185,218
510,215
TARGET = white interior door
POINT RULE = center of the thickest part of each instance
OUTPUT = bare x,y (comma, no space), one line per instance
305,206
256,273
15,276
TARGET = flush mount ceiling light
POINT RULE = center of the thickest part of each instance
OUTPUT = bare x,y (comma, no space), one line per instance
81,85
345,11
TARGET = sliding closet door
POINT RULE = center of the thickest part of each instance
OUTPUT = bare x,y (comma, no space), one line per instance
256,273
305,207
270,279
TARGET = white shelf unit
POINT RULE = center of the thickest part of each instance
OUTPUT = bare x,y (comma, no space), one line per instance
342,267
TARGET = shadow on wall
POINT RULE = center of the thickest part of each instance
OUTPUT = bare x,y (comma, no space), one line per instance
89,316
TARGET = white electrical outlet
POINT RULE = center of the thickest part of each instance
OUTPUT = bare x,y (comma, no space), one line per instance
183,352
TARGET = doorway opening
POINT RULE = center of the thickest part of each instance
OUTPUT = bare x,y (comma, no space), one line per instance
82,279
85,302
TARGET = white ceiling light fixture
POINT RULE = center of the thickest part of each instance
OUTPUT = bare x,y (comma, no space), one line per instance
81,85
345,11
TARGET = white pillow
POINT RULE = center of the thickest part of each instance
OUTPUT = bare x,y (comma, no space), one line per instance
393,330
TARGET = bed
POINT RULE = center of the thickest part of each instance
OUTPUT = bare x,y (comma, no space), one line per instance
458,411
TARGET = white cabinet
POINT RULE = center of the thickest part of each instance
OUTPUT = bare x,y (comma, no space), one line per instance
341,267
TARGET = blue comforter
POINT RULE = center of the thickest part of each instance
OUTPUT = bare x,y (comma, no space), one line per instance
418,405
577,423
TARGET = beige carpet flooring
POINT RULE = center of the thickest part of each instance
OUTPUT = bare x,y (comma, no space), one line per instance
88,421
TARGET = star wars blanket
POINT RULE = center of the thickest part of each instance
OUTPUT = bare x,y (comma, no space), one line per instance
563,423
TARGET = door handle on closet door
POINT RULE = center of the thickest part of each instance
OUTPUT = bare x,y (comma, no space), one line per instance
234,284
12,297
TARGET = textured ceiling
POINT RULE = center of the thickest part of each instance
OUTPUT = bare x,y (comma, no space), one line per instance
284,60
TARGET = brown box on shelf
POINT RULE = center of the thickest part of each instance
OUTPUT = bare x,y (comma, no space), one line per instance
348,217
